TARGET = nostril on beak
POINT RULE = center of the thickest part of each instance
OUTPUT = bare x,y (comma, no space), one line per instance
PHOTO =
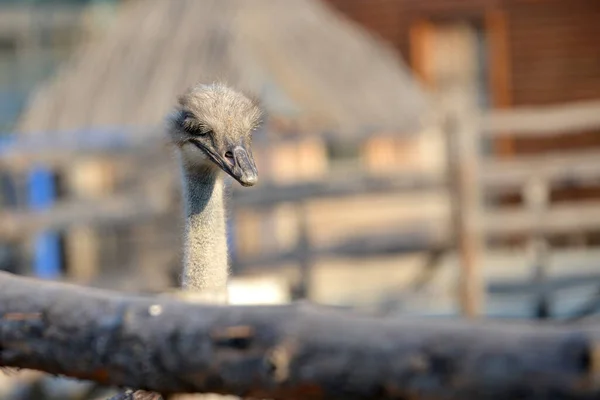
229,157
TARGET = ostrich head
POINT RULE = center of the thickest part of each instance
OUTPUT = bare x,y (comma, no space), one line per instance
212,125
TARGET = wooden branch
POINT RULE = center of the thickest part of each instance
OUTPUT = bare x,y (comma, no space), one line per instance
296,351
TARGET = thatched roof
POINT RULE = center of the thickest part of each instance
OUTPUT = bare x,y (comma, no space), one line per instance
308,65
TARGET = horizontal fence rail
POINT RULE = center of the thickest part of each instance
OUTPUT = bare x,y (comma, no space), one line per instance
111,210
542,121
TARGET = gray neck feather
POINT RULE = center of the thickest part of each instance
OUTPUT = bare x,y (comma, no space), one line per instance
205,244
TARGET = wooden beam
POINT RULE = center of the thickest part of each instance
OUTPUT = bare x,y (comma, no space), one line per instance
556,169
420,34
514,287
537,196
542,121
89,178
423,236
558,219
463,161
113,210
334,186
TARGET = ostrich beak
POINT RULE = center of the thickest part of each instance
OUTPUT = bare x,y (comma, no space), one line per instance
241,166
236,162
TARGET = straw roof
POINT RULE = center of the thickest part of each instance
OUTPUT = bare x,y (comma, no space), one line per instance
309,66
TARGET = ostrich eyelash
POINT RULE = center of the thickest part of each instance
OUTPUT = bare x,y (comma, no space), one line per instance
196,129
189,123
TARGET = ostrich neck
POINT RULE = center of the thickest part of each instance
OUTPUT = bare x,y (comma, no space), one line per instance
205,247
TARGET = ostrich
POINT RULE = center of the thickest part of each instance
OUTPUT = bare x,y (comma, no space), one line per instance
211,127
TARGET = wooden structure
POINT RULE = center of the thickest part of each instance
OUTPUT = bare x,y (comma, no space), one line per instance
262,47
524,53
349,175
511,53
35,38
254,352
475,221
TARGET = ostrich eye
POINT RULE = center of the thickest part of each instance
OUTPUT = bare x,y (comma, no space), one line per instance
191,125
185,115
200,130
197,130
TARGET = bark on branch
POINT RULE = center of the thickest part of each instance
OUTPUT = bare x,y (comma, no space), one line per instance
286,352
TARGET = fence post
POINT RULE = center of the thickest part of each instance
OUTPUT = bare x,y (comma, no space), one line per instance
536,196
463,160
304,252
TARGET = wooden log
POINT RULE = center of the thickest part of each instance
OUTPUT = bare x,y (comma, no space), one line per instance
136,395
297,351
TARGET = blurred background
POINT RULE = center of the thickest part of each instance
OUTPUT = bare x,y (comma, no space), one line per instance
431,157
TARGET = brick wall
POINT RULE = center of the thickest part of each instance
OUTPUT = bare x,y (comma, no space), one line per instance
555,50
555,56
553,47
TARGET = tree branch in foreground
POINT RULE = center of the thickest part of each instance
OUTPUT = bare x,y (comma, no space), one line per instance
286,352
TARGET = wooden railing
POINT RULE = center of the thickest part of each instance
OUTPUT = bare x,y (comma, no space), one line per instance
470,175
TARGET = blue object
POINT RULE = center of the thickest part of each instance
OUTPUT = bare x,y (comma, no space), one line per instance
47,257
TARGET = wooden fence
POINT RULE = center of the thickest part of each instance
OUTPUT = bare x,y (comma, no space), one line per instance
470,175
